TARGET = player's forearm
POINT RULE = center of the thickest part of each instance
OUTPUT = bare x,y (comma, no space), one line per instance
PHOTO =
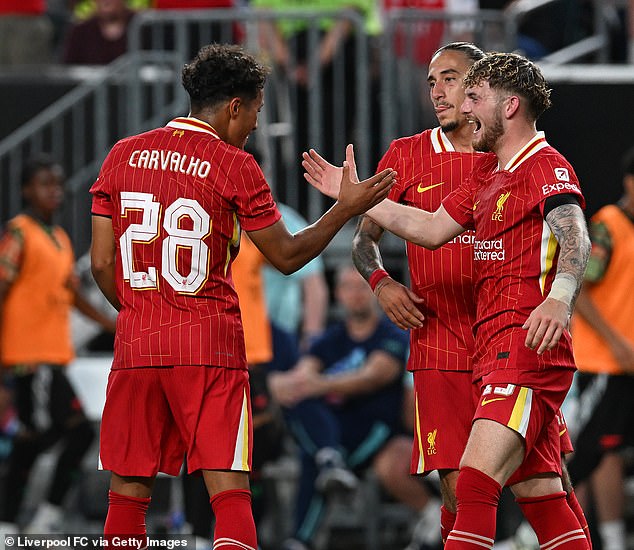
103,272
366,254
570,228
412,224
311,241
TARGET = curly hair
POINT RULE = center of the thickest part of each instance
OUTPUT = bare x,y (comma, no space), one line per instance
220,72
514,74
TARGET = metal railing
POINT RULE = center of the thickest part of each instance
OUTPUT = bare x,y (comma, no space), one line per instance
79,129
373,91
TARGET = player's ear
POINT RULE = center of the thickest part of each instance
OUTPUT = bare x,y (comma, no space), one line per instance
512,105
234,107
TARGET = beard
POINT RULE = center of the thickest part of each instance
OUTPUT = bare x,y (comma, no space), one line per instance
490,136
450,126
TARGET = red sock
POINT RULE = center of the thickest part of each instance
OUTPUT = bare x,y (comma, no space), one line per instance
578,511
126,517
554,523
447,519
235,527
478,496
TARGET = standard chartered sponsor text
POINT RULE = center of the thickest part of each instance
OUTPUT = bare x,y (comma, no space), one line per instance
488,250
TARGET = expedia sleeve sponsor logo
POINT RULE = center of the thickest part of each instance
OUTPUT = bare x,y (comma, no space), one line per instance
562,174
492,250
559,187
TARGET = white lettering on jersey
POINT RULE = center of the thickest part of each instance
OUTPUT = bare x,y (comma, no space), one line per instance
172,161
559,186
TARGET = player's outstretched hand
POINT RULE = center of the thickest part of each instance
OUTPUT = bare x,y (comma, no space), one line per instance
546,324
322,175
399,303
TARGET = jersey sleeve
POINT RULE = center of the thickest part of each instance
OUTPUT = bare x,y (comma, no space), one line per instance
256,208
101,192
391,159
553,175
459,203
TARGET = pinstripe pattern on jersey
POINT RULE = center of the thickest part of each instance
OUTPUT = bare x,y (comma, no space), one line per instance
512,283
162,326
429,169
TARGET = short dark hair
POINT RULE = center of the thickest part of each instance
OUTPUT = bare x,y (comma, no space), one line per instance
628,162
470,50
37,162
515,74
220,72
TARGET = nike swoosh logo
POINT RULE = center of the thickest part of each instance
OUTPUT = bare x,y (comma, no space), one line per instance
487,401
562,432
423,189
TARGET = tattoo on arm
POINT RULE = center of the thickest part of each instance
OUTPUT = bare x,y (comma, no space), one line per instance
569,227
365,247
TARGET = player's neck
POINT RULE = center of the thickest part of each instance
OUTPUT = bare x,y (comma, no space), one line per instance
462,138
513,140
216,124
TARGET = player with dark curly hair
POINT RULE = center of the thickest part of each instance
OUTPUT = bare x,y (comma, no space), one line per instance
168,209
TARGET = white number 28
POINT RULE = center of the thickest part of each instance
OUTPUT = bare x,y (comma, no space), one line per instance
176,240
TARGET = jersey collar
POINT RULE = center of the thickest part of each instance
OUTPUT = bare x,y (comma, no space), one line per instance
535,144
440,142
193,124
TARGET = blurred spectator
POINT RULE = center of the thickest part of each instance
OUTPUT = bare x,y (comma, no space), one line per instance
37,290
343,400
102,37
289,44
418,40
297,303
26,31
226,32
415,41
604,349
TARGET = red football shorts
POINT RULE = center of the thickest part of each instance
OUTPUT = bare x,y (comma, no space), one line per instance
154,416
530,408
565,441
444,406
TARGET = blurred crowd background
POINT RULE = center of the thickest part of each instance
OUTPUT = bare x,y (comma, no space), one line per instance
75,76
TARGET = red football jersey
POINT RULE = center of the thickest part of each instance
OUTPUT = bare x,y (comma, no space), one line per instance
178,197
430,168
515,251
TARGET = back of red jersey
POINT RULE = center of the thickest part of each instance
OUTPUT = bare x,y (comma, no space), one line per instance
515,251
178,197
430,168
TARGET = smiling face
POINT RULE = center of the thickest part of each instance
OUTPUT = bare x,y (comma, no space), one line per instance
244,119
446,71
483,108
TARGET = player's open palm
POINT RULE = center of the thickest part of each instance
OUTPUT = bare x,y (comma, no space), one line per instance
545,325
399,303
322,175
